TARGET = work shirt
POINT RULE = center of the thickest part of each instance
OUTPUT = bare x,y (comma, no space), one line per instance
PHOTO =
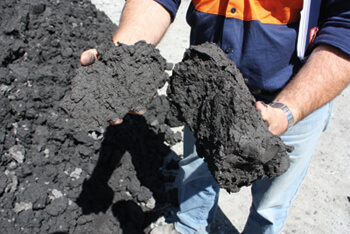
261,36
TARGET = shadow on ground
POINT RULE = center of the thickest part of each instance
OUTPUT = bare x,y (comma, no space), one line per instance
222,225
128,179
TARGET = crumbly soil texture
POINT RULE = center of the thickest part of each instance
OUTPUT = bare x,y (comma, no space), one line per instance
55,175
126,77
209,94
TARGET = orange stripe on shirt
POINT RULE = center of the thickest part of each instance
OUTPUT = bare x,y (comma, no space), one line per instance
265,11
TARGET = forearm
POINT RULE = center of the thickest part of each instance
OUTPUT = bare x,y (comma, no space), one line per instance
142,20
322,78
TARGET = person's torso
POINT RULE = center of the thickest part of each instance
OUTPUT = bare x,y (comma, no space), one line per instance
258,35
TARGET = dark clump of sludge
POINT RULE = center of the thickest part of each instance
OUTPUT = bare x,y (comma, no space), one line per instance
125,78
56,176
209,94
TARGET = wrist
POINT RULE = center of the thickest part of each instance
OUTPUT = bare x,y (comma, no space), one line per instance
285,109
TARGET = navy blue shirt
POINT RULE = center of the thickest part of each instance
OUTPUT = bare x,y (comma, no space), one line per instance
261,36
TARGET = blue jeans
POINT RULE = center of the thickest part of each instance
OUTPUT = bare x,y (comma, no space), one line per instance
272,198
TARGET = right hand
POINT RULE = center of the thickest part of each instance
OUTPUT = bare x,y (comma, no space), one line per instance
87,58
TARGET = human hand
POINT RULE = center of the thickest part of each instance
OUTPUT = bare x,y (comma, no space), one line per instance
89,57
275,118
134,112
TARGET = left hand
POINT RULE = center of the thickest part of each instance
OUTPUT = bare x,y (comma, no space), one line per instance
275,118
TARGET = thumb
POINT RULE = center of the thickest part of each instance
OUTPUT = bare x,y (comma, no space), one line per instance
88,57
262,108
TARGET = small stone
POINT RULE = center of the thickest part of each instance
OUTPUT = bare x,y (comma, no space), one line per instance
76,173
17,153
22,206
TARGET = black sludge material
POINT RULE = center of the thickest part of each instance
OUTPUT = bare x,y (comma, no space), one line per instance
56,177
210,95
125,78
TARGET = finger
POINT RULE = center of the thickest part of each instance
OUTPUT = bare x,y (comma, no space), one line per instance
115,122
88,57
138,111
263,108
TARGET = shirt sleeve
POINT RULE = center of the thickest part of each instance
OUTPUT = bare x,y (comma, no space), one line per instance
171,6
334,29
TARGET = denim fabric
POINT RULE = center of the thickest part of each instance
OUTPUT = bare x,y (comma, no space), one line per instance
198,191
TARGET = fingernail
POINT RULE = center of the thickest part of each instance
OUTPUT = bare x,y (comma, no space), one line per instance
264,104
92,58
